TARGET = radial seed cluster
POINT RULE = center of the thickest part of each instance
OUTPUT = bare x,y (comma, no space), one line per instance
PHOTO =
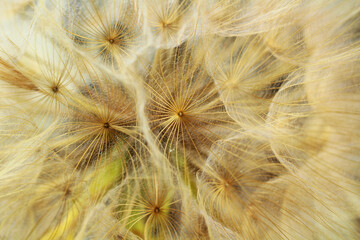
179,119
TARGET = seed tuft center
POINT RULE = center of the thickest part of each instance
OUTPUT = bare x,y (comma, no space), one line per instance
156,210
55,89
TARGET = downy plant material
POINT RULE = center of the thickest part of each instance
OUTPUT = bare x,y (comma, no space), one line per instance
158,120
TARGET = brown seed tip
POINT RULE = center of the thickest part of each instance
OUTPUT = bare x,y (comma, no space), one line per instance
156,210
164,24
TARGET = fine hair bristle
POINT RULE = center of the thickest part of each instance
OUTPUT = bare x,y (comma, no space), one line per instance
179,119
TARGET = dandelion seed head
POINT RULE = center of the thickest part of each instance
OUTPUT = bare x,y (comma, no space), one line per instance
179,119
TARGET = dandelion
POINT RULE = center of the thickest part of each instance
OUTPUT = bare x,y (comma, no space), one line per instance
102,118
171,22
184,108
226,186
151,208
218,119
248,76
108,30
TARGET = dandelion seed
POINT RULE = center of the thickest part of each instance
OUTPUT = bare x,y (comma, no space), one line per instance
103,119
108,30
226,186
185,111
171,22
154,210
246,75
